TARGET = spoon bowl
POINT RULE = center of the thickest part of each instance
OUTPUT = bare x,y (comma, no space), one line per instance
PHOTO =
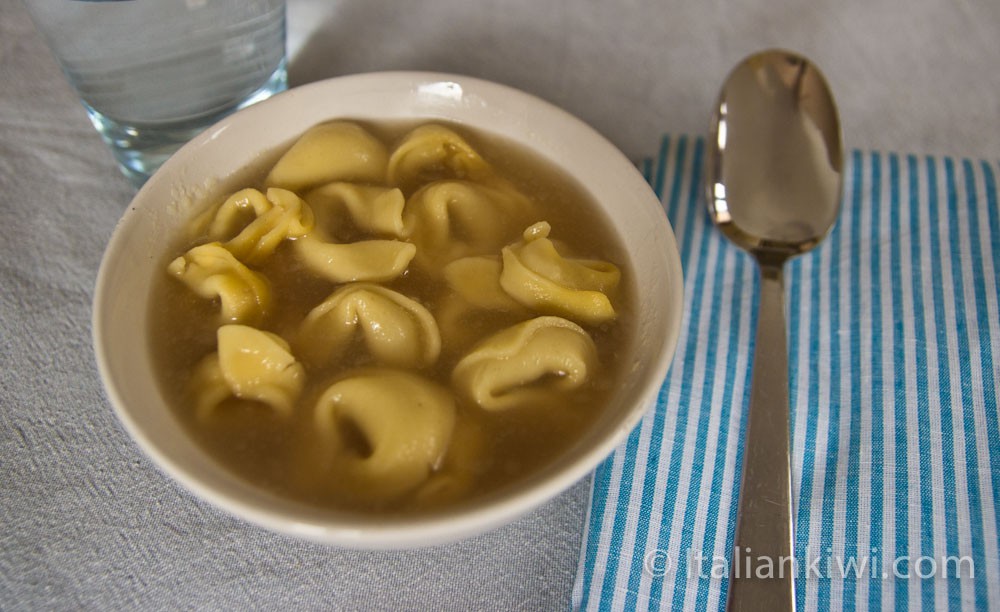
773,186
775,165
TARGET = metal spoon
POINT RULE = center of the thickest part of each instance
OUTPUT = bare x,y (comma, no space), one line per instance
773,179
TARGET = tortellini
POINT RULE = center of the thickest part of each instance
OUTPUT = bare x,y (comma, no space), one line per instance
372,211
365,260
527,364
433,152
335,151
460,469
386,316
211,271
540,278
278,216
390,430
396,330
477,281
250,364
376,211
474,291
447,220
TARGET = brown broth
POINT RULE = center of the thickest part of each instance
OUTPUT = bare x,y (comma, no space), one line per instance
490,450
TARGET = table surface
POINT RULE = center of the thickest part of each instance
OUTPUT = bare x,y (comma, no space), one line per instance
90,523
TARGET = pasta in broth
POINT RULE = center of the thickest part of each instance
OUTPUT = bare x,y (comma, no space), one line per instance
393,318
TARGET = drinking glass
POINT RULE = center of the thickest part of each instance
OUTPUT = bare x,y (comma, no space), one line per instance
154,73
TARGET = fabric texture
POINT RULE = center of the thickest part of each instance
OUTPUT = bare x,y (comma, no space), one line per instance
893,335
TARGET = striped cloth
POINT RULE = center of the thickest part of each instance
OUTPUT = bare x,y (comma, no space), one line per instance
894,336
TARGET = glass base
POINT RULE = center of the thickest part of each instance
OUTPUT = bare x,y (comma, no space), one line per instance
141,149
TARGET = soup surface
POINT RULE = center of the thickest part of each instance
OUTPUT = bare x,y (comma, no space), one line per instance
393,317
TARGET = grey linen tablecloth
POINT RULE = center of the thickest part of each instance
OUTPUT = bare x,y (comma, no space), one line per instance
86,521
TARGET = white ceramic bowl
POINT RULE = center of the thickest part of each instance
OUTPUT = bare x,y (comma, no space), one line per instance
133,259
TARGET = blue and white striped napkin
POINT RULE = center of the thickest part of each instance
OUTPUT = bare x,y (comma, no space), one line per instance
894,361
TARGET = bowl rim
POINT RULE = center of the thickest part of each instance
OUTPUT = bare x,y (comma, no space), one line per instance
419,530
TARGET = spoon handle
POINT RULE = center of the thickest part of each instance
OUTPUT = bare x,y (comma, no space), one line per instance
762,569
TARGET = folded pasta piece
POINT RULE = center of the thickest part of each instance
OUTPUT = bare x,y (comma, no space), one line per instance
477,281
208,387
236,212
540,278
251,365
452,219
396,330
476,306
213,272
335,151
366,260
376,211
461,468
372,211
276,217
527,364
388,429
433,152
